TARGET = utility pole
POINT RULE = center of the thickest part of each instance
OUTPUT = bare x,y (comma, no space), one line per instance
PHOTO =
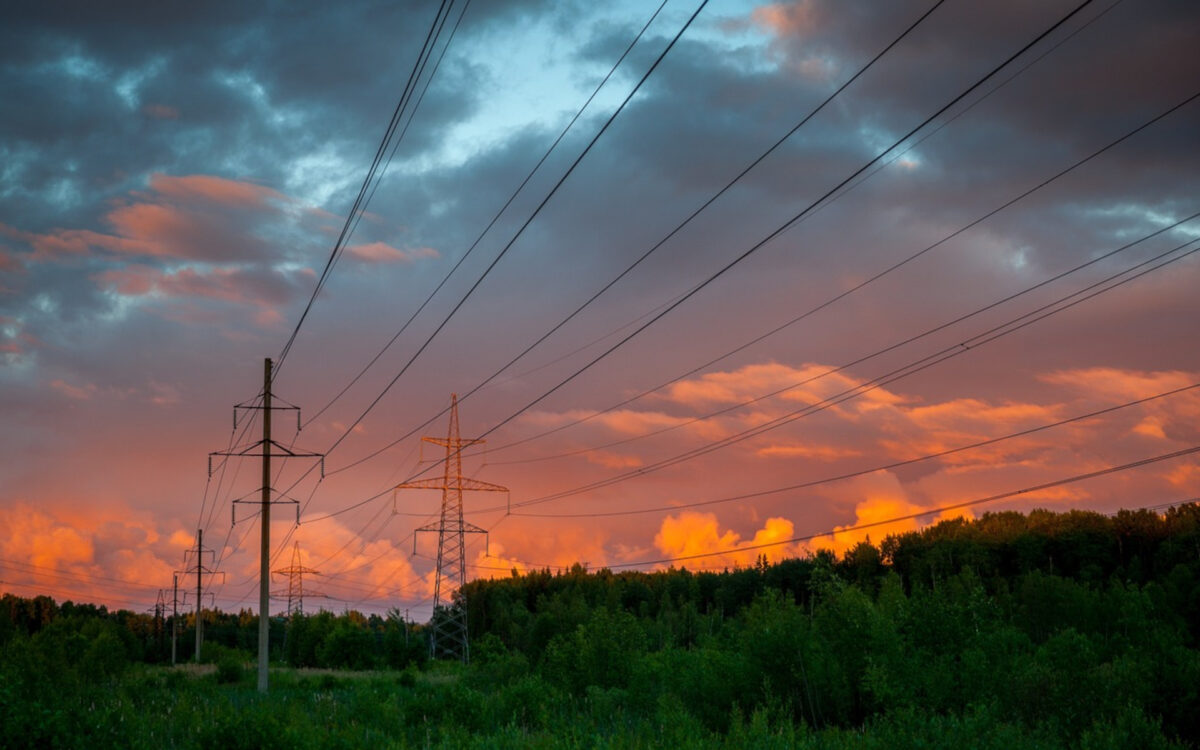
198,567
448,631
266,448
264,560
295,591
174,614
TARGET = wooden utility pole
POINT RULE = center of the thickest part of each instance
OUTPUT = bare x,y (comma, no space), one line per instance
269,448
198,567
264,568
199,589
174,614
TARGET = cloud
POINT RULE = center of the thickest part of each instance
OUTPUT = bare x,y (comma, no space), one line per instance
78,393
885,499
8,261
691,533
99,555
194,217
801,450
265,290
218,190
1111,382
161,112
380,252
613,460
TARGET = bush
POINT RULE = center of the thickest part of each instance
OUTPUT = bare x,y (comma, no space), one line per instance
230,669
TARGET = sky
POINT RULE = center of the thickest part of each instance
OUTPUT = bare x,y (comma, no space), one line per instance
884,317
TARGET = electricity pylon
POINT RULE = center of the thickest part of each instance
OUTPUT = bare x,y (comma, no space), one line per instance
448,631
266,447
160,613
295,591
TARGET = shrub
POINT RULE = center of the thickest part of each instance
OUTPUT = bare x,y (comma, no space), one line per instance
230,669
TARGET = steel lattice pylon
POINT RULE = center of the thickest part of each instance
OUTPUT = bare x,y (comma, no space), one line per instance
448,626
295,591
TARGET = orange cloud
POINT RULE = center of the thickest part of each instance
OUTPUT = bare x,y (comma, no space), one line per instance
103,555
1120,385
809,384
799,18
691,533
877,510
380,252
807,450
562,547
192,216
613,460
496,564
235,193
365,570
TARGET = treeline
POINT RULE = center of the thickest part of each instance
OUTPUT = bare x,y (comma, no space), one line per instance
1058,622
1047,629
350,640
1133,549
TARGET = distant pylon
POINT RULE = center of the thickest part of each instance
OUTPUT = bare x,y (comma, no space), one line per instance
295,590
160,611
448,634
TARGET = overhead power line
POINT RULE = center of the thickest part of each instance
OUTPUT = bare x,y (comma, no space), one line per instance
955,350
462,300
1011,326
866,282
512,197
768,238
871,470
629,269
359,205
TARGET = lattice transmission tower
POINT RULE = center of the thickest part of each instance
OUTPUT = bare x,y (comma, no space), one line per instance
448,631
295,591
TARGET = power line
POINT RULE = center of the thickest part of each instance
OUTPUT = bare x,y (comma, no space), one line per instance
898,155
519,232
512,197
772,235
1011,326
658,60
360,201
873,469
919,365
875,277
629,269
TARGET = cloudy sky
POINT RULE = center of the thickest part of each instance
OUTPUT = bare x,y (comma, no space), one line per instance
174,179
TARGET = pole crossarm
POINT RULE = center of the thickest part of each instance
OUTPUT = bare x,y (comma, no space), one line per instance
260,407
284,501
277,449
207,595
438,483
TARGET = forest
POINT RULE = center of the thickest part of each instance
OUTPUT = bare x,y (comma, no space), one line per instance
1047,630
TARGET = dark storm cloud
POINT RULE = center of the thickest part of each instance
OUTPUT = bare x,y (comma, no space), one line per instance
239,89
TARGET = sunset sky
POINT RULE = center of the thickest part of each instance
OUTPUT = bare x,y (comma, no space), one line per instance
174,177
